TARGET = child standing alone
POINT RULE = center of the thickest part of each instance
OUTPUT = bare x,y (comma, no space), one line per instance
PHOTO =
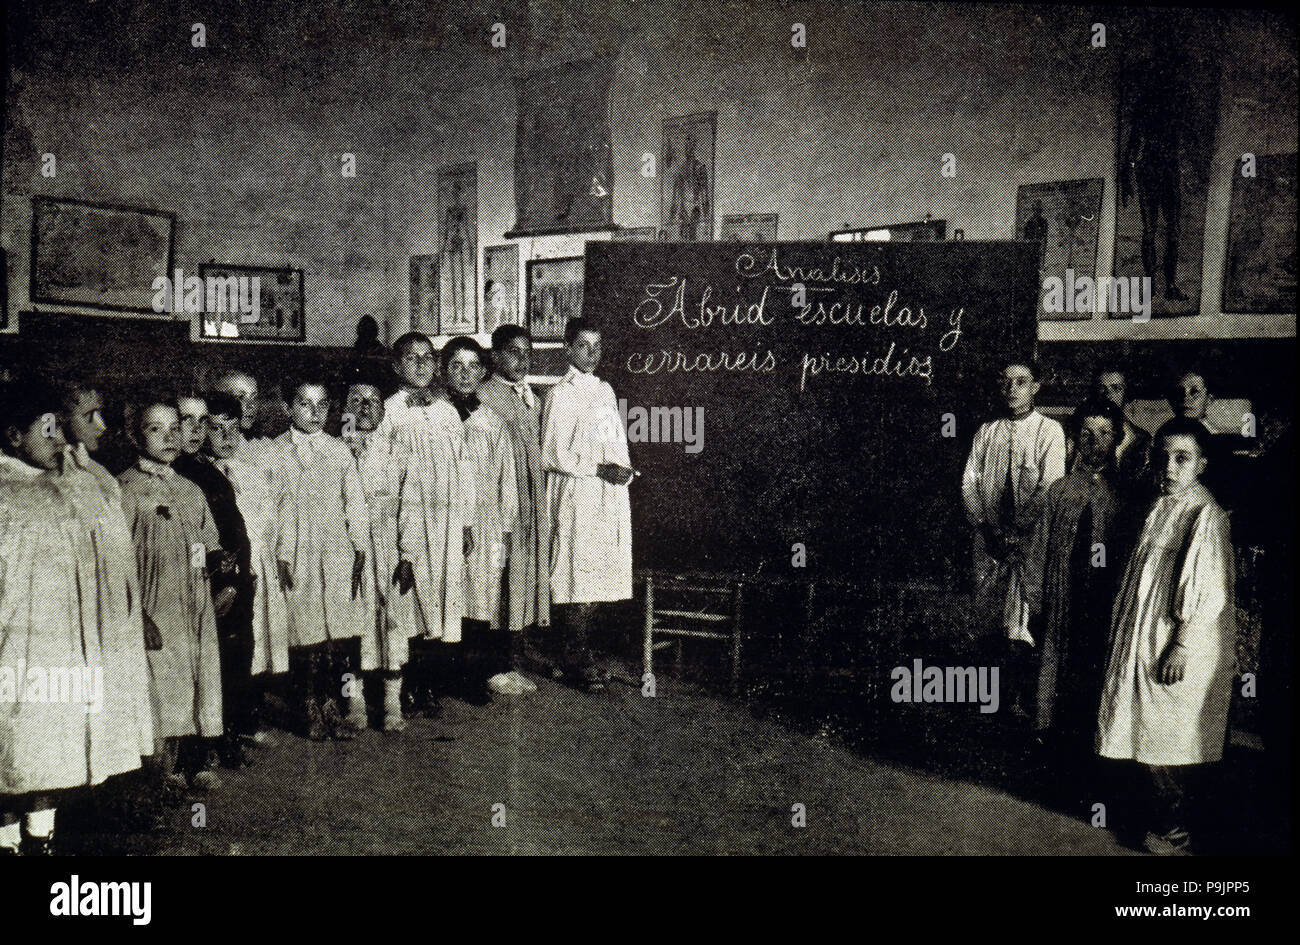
1173,637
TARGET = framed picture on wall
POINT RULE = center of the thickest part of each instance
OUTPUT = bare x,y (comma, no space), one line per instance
1166,114
424,294
554,295
458,250
1064,219
686,177
748,228
500,286
99,255
251,303
1259,272
564,178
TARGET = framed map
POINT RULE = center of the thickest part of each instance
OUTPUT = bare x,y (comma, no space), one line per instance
686,177
554,295
1064,219
563,171
458,252
277,316
500,286
98,255
1259,273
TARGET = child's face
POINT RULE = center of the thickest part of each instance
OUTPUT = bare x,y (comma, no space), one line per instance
1111,386
223,435
40,444
160,433
416,365
513,361
464,371
194,426
244,389
584,353
1096,441
85,422
1018,388
366,405
1190,397
309,408
1178,463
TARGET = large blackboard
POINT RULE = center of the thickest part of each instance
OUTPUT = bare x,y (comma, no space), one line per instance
839,420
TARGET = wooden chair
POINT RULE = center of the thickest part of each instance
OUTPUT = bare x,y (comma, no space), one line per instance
717,616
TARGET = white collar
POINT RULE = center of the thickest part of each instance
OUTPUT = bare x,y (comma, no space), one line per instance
154,468
296,436
581,378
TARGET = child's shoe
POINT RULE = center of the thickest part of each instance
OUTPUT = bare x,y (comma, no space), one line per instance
356,719
316,729
393,721
333,722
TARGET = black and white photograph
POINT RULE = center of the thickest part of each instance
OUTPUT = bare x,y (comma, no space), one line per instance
420,439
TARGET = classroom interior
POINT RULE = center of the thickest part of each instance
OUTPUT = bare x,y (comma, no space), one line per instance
242,142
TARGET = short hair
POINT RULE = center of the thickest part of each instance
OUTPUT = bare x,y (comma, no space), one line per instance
25,400
1199,370
221,404
575,326
1186,426
138,405
1035,369
1096,408
308,376
403,344
69,390
504,334
461,343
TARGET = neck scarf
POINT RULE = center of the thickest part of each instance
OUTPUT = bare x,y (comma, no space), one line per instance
465,405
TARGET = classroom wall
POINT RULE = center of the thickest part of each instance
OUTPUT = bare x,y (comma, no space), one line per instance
242,139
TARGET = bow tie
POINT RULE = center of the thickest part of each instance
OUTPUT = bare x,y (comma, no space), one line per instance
420,397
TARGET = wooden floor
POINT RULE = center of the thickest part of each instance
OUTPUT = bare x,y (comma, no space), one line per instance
681,773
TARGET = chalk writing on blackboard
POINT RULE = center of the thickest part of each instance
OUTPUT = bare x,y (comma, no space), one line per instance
674,302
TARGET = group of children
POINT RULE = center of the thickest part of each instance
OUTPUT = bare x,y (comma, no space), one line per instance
219,560
1106,567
